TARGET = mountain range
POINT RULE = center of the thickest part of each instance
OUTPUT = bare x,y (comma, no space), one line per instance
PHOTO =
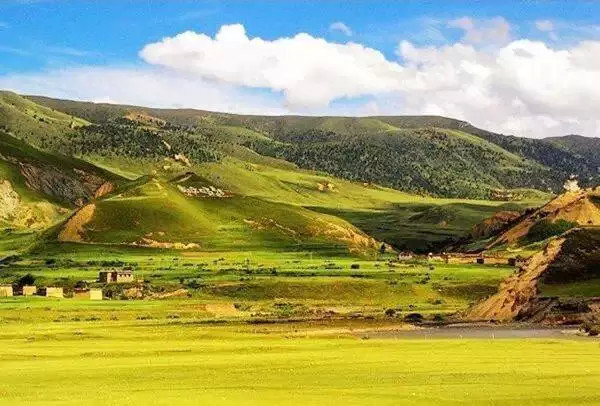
77,172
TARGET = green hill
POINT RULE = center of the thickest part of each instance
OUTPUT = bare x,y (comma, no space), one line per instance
325,183
419,154
191,213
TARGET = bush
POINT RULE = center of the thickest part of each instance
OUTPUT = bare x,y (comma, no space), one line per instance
390,312
24,280
590,329
545,229
413,318
355,266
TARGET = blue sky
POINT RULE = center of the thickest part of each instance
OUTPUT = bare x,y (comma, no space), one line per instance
40,40
40,34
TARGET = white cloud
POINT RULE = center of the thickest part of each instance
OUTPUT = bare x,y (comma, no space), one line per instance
341,27
544,25
521,87
525,87
310,72
140,86
494,30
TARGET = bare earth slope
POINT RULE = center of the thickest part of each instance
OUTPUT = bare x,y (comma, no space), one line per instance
578,207
573,257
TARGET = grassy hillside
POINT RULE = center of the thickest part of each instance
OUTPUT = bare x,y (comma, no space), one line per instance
423,154
252,158
190,213
585,147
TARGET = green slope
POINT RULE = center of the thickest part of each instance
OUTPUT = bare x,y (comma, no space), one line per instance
182,215
257,159
419,154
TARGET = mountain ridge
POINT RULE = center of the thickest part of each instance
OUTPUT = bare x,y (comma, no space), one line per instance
429,155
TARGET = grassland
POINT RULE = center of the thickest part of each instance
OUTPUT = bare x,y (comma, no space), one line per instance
270,284
175,362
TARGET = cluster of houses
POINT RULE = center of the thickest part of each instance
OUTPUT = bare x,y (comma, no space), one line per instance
105,276
463,259
209,191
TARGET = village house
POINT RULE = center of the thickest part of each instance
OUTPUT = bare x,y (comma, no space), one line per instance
405,256
88,294
96,294
29,290
51,291
6,290
114,276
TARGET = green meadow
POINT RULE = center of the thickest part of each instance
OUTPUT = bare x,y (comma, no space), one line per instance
163,362
266,284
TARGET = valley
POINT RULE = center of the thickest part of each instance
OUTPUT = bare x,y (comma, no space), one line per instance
278,241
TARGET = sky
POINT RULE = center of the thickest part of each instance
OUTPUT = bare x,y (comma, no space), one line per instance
528,68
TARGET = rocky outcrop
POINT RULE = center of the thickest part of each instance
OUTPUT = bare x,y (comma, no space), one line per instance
572,257
76,187
519,290
203,191
147,242
19,214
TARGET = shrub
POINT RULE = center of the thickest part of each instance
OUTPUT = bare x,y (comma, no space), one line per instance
355,266
590,329
545,229
390,312
413,318
438,317
28,279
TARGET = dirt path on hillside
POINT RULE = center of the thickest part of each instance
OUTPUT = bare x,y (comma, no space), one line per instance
73,229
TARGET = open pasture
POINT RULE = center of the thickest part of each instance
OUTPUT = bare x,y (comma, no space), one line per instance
177,362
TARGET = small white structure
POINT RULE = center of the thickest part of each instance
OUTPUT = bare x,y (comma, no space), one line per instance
571,185
52,292
96,294
6,290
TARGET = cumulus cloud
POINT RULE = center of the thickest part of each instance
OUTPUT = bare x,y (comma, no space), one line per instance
341,27
310,71
524,88
520,87
495,30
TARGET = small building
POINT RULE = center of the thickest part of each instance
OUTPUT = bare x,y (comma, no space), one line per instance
113,276
29,290
87,294
6,290
96,294
405,256
480,260
51,291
